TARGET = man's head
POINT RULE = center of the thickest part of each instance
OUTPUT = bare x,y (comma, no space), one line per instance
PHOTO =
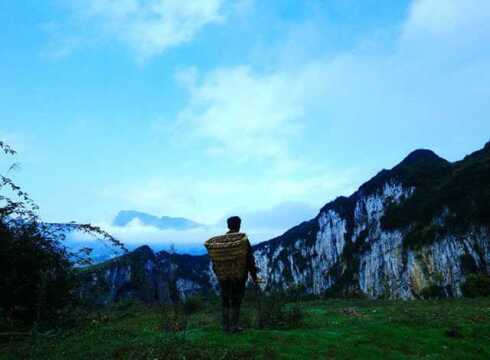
234,223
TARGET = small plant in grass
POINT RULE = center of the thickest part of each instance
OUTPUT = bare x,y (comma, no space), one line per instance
173,319
454,331
433,292
126,304
248,319
296,293
274,313
477,285
193,305
436,289
413,317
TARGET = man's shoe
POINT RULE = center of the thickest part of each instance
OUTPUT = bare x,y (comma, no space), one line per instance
235,315
236,329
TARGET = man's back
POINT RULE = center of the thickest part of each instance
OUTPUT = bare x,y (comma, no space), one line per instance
232,259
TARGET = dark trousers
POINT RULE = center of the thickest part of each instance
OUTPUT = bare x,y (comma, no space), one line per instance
232,292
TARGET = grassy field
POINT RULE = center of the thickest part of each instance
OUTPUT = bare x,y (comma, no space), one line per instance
330,329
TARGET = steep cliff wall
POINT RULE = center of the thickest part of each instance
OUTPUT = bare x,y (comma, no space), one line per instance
329,254
419,226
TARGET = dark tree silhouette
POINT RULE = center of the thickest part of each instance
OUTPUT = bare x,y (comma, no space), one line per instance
38,274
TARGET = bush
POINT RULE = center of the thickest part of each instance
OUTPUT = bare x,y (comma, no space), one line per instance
36,276
476,285
274,313
433,292
37,273
193,305
127,304
296,293
173,319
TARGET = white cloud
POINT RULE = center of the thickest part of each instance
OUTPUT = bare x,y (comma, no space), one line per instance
260,225
208,200
149,27
277,219
245,114
447,28
446,17
187,241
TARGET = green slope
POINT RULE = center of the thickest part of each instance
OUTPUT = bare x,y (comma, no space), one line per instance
332,329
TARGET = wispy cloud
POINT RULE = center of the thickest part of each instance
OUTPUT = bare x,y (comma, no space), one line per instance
243,114
148,27
447,19
208,200
276,219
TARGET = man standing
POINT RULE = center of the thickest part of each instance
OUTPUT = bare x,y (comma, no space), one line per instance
233,260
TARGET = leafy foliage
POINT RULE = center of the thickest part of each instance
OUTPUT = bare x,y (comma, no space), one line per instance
37,272
275,313
193,305
459,192
37,277
477,285
433,292
173,318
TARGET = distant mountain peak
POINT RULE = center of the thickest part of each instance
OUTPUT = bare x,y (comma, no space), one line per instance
144,250
422,157
125,217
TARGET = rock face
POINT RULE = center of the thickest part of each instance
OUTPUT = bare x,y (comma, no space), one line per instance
421,226
146,276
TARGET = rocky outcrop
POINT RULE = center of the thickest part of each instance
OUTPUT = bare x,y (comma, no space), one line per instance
146,276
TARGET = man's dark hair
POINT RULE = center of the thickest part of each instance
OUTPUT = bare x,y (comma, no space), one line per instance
234,223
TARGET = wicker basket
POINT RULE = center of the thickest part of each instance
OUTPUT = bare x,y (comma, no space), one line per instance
229,255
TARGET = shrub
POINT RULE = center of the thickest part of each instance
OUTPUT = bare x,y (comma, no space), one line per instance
173,319
476,285
433,292
274,313
36,276
193,305
126,304
37,273
296,293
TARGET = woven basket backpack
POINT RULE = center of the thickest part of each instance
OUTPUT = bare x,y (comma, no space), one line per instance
229,255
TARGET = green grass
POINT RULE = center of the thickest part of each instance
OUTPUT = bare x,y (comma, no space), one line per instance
332,329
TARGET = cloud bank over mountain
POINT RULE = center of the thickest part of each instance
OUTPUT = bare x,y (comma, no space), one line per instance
135,228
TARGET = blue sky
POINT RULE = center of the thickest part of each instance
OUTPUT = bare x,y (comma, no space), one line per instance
206,108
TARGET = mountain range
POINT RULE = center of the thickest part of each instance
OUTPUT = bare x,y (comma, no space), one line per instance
419,227
125,217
